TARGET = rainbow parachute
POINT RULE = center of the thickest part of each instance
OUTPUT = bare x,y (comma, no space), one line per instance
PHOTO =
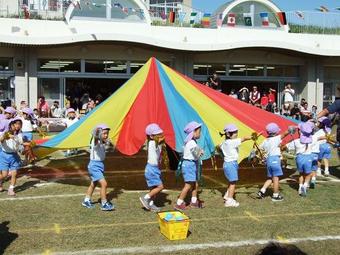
158,94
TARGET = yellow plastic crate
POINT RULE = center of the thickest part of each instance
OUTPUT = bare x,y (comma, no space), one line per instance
174,225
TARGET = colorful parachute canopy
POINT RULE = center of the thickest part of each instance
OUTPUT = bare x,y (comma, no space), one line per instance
158,94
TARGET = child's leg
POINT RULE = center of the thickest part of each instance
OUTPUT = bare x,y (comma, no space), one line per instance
184,192
13,182
275,186
266,185
153,192
326,163
231,189
3,175
90,190
307,178
103,188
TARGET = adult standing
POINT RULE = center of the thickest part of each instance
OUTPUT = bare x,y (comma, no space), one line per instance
271,99
43,108
215,82
288,95
255,96
244,95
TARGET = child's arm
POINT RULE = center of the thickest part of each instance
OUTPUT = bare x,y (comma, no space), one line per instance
291,130
247,138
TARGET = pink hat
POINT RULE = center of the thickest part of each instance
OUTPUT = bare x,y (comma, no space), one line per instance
230,128
10,110
70,110
306,131
273,128
327,123
14,120
28,111
100,126
189,130
153,129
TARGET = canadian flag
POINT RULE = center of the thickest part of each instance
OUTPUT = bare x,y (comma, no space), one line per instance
231,19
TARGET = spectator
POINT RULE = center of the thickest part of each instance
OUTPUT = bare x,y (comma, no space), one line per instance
271,99
295,112
36,113
23,105
56,111
255,96
314,112
233,94
264,101
43,107
276,111
288,94
244,95
84,100
305,112
302,102
76,104
286,110
215,82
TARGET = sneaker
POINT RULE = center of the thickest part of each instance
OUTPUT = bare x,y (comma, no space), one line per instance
11,192
145,202
312,184
154,208
326,173
197,205
87,204
260,195
318,172
107,207
231,203
303,191
225,198
181,207
277,199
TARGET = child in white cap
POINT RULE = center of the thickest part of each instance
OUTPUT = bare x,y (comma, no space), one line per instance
229,149
100,136
71,119
191,156
272,149
325,153
155,139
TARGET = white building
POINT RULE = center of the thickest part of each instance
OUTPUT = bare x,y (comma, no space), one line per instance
103,45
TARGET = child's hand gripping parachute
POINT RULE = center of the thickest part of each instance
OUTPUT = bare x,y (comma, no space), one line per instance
256,156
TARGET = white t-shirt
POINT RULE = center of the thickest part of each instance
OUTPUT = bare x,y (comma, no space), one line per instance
272,146
68,122
27,125
288,95
299,147
189,149
230,149
315,144
154,153
321,133
97,152
13,144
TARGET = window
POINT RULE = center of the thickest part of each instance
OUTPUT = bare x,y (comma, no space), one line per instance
328,93
282,71
55,65
209,69
115,66
95,66
6,90
6,64
50,89
135,66
246,70
332,72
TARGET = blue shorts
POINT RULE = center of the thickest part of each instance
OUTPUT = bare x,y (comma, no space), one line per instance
231,170
315,157
304,163
274,168
152,176
9,161
27,136
189,171
325,151
96,170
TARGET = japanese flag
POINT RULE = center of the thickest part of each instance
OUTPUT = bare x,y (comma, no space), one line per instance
231,19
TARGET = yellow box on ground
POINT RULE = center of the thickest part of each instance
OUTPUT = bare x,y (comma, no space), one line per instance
174,225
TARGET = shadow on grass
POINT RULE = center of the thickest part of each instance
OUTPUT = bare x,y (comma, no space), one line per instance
25,186
7,237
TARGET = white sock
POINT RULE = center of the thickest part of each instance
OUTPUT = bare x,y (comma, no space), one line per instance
275,194
179,201
300,186
11,186
305,184
319,169
151,202
104,202
263,190
147,197
87,199
193,200
326,169
313,178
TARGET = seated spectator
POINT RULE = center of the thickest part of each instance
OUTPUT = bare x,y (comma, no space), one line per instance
305,112
285,110
23,105
302,102
233,94
264,101
314,112
43,108
277,111
244,95
295,112
36,113
56,111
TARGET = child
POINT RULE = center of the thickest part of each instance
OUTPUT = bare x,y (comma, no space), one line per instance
230,166
71,118
152,173
96,167
303,148
271,147
191,155
324,125
315,156
9,158
27,124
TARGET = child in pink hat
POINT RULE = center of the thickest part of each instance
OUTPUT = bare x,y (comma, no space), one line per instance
155,141
191,156
325,153
229,150
272,149
100,136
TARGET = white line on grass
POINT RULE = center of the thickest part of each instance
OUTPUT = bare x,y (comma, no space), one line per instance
191,247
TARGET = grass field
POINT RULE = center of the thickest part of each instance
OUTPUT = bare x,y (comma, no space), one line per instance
47,216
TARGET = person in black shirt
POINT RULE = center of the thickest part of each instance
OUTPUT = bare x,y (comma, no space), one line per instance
215,82
295,112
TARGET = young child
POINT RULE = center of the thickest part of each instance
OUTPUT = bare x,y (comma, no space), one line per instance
271,147
324,125
155,139
71,118
315,156
229,149
100,137
27,124
303,148
11,142
191,155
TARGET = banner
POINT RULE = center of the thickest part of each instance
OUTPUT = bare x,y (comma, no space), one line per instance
231,19
171,17
206,20
265,19
193,17
282,18
247,20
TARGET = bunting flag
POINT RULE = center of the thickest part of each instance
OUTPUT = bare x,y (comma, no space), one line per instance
193,17
163,15
118,5
247,20
172,16
265,19
219,20
125,10
159,94
300,14
231,22
322,9
206,20
181,16
282,18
